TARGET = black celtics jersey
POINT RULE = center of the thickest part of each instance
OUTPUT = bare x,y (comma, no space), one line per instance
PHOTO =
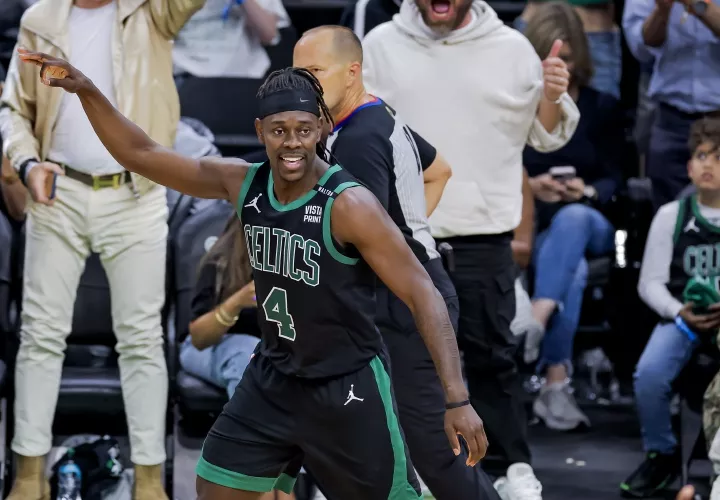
316,299
696,250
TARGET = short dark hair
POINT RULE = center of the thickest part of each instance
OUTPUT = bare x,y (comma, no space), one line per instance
297,79
704,130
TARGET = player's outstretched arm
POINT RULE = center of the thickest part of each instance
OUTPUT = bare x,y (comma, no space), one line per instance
130,145
358,218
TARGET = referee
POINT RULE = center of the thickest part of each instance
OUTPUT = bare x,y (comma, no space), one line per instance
408,177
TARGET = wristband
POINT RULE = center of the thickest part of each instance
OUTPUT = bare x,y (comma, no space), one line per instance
684,328
24,170
452,406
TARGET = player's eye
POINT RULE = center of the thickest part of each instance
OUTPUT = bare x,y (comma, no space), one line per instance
701,156
278,131
304,131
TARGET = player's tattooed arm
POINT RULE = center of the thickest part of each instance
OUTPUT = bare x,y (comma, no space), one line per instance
358,219
132,147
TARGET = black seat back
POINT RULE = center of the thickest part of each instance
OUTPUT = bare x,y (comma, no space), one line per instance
227,106
281,55
195,237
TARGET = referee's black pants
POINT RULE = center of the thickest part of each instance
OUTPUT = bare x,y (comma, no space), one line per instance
484,276
421,400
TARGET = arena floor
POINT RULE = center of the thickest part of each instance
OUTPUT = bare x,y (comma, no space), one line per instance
600,459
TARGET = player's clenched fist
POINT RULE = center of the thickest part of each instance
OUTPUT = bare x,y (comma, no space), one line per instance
55,72
556,76
467,423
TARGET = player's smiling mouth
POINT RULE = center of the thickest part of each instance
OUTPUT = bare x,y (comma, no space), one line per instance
292,161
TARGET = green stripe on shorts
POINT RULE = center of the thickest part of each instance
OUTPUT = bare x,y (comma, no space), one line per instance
235,480
401,488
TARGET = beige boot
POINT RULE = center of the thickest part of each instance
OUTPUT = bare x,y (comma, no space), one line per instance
30,482
148,483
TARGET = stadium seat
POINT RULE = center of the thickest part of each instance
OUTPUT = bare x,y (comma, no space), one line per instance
194,238
281,55
227,106
90,383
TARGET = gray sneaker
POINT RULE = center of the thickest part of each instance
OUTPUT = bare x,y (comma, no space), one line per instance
556,406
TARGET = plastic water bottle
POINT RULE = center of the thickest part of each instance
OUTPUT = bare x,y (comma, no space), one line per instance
69,480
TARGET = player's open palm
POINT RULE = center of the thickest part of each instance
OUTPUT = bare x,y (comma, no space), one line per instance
465,422
54,72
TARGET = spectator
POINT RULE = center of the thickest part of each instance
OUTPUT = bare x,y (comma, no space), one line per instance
423,63
680,236
224,330
226,38
603,36
711,426
570,213
98,207
681,40
364,15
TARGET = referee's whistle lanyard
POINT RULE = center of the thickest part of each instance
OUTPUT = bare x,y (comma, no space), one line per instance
685,329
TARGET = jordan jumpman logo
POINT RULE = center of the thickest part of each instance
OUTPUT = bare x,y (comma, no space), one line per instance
253,203
351,396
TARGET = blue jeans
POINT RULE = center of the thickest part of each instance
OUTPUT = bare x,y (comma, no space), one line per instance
223,364
665,355
561,273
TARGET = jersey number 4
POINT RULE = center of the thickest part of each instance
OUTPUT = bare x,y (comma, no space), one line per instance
276,310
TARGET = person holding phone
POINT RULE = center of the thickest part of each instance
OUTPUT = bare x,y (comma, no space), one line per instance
572,187
681,252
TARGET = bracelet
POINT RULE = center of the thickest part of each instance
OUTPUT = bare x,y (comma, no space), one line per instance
451,406
685,329
223,319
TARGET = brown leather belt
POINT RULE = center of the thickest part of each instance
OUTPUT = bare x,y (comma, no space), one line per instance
97,181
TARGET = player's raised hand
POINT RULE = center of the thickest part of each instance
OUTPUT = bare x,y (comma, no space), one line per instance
467,423
54,72
556,77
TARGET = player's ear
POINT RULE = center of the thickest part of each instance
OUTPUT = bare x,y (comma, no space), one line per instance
259,131
323,130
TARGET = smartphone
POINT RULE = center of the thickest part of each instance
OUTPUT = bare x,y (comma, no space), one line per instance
51,186
563,173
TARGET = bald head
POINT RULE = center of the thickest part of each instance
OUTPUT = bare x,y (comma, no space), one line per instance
341,43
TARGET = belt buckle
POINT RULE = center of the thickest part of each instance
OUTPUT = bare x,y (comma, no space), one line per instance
100,183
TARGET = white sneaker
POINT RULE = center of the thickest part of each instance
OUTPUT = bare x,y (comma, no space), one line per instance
502,488
522,483
715,493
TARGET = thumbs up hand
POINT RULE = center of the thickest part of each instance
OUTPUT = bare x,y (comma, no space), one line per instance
556,76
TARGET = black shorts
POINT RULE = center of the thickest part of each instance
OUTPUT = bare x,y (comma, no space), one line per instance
344,429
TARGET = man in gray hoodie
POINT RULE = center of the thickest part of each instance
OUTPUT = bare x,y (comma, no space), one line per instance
478,91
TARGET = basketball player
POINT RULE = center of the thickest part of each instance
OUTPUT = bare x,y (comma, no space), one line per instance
317,390
372,143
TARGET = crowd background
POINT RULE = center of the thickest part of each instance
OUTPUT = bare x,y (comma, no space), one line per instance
643,72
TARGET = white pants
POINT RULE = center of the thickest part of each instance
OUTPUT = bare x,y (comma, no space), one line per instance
131,237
